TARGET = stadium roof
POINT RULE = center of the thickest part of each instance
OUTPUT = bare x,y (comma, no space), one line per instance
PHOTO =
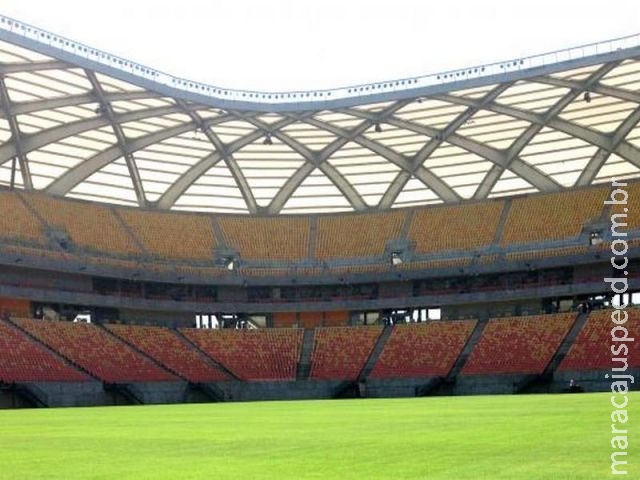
81,123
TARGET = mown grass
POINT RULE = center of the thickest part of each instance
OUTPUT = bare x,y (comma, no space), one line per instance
481,437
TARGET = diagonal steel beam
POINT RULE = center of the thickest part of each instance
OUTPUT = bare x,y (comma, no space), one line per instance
443,190
196,171
343,137
74,100
488,183
106,110
17,143
352,195
431,145
75,175
601,155
8,68
232,165
55,134
534,176
599,88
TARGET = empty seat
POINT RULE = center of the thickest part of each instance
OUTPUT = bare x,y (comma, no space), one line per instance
423,349
107,358
523,345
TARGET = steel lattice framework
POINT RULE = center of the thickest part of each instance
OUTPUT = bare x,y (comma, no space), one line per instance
81,123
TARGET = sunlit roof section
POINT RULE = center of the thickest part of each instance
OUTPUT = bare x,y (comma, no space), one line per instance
497,130
161,164
214,191
232,129
616,168
634,136
368,172
137,104
625,76
559,155
416,193
5,131
576,74
47,84
532,96
511,183
111,184
473,93
317,194
432,113
313,137
601,112
11,173
78,122
267,170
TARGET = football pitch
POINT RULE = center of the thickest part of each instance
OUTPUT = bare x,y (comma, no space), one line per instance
479,437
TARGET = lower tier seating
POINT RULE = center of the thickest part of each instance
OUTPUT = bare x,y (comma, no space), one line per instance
341,352
266,354
166,348
423,349
523,345
22,359
94,349
591,349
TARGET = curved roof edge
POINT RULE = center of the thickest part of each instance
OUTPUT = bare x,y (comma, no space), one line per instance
57,46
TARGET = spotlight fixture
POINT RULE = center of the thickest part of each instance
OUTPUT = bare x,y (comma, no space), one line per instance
230,263
587,97
396,258
267,140
377,128
100,109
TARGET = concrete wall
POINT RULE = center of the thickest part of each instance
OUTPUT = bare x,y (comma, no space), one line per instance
592,380
69,394
401,387
160,392
287,390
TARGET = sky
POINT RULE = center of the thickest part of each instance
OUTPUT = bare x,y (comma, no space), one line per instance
280,45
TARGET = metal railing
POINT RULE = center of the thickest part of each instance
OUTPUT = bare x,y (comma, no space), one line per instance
113,61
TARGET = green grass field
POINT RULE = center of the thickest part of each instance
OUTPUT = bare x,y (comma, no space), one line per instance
490,437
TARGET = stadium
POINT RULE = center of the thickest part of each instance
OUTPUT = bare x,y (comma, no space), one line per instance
164,241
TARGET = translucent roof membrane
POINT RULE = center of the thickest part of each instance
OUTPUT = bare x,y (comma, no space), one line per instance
130,135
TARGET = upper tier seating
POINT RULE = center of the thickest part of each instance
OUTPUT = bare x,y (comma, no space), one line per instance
166,348
90,226
24,360
523,345
107,358
356,235
459,227
554,216
265,354
423,349
181,236
274,238
17,222
340,353
591,349
632,206
187,243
